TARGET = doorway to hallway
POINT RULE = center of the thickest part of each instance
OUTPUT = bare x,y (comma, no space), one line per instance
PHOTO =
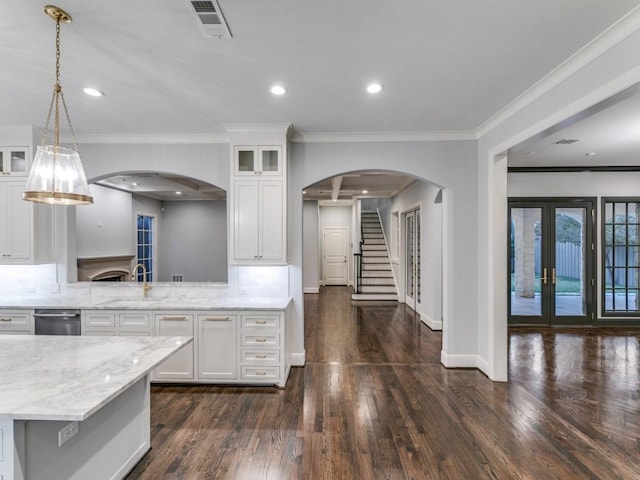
551,261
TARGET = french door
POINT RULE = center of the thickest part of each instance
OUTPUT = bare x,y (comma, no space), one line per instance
551,262
412,258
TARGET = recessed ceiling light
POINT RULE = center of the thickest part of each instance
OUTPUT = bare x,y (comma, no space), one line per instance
374,87
278,90
94,92
178,193
590,154
304,192
134,184
365,191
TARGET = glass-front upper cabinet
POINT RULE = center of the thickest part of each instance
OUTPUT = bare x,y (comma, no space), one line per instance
258,160
14,161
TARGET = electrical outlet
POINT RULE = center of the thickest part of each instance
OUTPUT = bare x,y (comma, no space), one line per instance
66,433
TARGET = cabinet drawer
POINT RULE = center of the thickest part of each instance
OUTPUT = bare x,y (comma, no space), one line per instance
261,321
133,319
260,357
269,374
15,321
263,339
100,333
96,319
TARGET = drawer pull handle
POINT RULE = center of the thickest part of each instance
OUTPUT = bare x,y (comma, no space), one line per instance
261,322
261,340
261,356
261,373
217,319
174,318
5,319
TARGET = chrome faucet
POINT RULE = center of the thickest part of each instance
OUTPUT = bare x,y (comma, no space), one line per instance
145,286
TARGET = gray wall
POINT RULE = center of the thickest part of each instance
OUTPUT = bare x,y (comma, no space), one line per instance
310,247
194,241
105,227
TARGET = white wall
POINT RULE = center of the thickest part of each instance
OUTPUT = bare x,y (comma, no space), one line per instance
105,228
423,195
608,66
336,217
310,247
194,241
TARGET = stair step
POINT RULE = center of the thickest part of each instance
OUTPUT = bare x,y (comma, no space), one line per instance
383,281
377,260
374,253
383,267
391,290
373,296
374,247
374,241
377,274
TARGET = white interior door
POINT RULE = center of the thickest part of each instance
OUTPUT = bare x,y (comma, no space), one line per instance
335,246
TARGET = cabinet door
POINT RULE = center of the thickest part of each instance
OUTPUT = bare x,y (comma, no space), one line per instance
270,160
271,206
16,161
217,347
179,365
246,160
15,222
246,220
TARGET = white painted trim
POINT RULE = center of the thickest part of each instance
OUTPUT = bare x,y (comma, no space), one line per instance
483,366
429,322
298,359
311,290
458,361
617,32
370,137
152,138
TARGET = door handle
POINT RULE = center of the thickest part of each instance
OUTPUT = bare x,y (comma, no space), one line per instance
553,276
544,276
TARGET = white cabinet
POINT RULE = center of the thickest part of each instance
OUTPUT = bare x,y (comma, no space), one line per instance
259,226
180,365
258,160
217,346
262,353
116,322
26,229
16,322
14,161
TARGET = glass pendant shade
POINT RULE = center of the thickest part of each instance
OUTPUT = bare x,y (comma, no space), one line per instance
57,177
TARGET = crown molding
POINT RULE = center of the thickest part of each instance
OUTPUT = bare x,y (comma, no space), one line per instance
371,137
613,35
280,128
157,138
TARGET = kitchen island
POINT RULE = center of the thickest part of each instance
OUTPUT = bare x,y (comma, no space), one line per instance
76,408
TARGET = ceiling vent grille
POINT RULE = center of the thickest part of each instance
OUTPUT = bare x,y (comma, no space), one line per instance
210,18
565,141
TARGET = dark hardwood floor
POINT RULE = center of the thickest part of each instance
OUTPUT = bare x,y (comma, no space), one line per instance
373,402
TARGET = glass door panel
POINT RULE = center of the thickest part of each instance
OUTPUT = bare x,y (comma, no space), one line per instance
569,273
410,258
526,262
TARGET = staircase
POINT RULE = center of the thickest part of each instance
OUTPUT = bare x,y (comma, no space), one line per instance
376,280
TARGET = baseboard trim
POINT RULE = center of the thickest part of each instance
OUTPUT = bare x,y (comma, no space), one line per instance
483,366
311,290
458,361
298,359
429,322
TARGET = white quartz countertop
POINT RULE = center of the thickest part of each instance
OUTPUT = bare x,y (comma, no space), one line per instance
71,377
152,303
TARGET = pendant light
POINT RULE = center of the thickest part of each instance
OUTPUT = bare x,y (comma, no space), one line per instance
56,176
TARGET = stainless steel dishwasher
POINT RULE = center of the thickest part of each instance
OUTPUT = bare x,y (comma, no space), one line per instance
57,322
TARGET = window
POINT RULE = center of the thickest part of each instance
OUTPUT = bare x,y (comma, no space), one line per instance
620,256
145,246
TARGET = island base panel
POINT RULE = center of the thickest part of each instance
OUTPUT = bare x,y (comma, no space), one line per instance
107,446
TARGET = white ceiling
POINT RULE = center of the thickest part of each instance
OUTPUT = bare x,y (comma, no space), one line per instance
164,186
446,66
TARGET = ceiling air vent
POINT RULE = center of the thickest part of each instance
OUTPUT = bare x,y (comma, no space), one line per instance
565,141
210,18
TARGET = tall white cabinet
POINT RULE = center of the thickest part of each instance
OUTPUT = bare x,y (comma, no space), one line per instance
258,196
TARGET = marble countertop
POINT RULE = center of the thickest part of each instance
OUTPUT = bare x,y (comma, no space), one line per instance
152,303
71,377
